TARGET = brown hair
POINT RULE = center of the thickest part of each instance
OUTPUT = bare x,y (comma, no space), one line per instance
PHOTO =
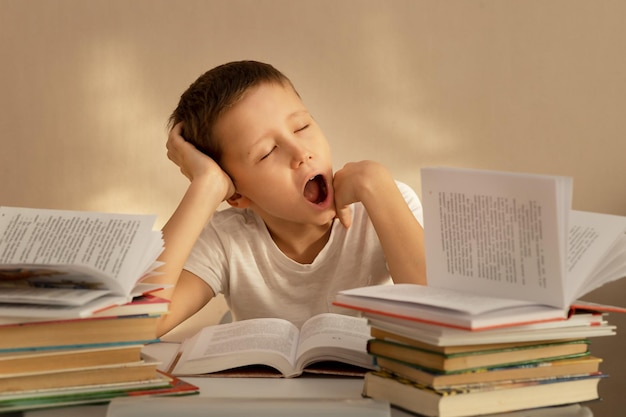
212,94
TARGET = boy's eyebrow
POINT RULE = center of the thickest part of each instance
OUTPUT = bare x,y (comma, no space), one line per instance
297,113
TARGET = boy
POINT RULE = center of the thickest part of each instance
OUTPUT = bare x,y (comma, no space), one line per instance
278,252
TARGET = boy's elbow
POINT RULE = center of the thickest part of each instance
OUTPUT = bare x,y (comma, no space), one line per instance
414,275
163,326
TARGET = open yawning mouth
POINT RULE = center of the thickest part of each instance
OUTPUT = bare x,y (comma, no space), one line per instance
316,189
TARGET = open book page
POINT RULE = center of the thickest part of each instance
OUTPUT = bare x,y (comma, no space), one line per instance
597,251
334,337
52,296
496,233
271,342
401,299
96,246
61,310
445,307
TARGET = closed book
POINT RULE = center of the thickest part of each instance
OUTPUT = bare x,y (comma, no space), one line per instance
577,326
161,385
418,399
76,377
78,333
59,359
381,334
445,380
476,359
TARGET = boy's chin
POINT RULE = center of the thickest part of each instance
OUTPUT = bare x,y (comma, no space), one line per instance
324,218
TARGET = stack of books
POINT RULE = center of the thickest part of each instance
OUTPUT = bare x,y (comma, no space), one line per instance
500,326
73,317
446,370
481,378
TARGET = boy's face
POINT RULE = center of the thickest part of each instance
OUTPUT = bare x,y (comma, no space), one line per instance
277,157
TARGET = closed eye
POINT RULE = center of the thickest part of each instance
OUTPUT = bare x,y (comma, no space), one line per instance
302,128
269,153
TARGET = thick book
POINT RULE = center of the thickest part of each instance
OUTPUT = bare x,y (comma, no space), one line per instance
161,385
328,339
67,263
496,398
79,376
50,360
584,365
502,249
78,333
577,326
477,359
380,334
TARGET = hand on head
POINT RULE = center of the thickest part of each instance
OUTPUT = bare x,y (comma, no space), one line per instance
193,163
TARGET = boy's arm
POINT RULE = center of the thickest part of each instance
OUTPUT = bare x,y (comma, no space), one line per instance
208,188
400,234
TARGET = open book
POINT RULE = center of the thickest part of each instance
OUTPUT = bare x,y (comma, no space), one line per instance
278,344
63,263
503,248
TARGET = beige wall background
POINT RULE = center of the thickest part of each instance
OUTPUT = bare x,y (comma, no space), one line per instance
534,86
530,86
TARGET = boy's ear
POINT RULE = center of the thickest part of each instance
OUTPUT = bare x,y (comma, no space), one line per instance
239,201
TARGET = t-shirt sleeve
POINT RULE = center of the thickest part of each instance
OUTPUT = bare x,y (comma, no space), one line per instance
412,200
207,260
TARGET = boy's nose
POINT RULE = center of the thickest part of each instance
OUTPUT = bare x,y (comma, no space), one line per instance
300,156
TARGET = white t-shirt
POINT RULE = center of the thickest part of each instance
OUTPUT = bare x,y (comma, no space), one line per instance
236,256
